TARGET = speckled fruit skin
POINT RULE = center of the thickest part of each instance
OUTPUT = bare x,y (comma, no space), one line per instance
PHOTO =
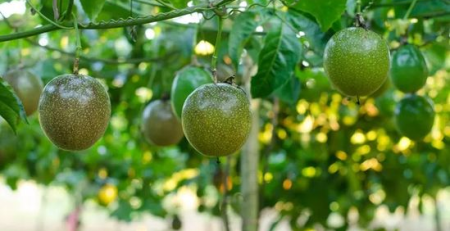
356,61
27,86
414,116
74,111
216,119
160,126
185,82
409,70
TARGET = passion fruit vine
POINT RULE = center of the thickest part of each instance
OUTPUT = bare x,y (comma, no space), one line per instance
216,119
356,61
74,111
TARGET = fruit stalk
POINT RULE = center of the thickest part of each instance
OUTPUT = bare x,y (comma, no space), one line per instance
216,48
413,3
359,20
78,49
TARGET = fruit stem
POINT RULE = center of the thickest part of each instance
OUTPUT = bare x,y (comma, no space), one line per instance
216,50
78,49
359,20
413,3
358,6
358,101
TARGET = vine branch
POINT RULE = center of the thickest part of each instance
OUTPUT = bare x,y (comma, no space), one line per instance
118,23
413,3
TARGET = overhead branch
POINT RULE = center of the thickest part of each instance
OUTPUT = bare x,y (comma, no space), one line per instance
118,23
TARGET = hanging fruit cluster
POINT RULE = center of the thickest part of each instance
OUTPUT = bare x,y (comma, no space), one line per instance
414,114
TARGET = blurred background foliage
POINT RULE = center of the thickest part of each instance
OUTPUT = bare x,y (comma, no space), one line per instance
321,152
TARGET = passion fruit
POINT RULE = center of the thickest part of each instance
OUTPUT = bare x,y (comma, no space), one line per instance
409,70
27,86
160,126
414,116
74,111
356,61
216,119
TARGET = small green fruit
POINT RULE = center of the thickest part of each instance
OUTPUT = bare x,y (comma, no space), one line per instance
216,119
414,116
356,61
74,111
185,82
409,70
160,126
27,86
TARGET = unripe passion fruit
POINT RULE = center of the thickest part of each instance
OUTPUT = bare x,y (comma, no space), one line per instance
27,86
74,111
160,126
185,82
356,61
414,116
409,71
216,119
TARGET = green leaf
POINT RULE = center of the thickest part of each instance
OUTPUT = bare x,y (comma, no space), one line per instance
92,7
431,8
290,91
325,11
11,108
316,38
243,27
177,3
277,60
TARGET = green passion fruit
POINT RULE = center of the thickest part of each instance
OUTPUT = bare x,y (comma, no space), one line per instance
27,86
160,126
74,111
356,61
414,116
216,119
185,82
409,70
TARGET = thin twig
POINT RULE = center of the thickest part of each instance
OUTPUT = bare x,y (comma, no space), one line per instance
217,47
55,10
413,3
